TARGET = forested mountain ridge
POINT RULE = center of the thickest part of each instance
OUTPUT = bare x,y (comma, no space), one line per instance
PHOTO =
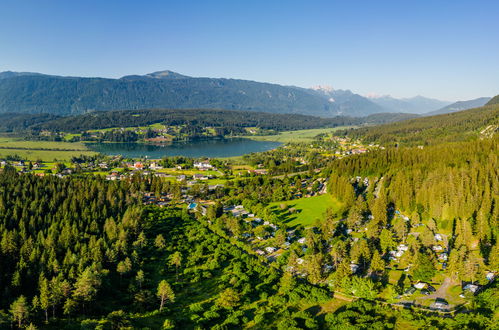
11,122
35,93
457,126
494,100
460,105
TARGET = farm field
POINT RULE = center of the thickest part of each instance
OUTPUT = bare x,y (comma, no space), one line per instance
308,210
305,135
41,150
10,142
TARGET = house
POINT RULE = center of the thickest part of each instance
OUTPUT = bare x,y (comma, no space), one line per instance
302,240
299,261
402,247
260,252
270,249
438,237
490,276
258,172
354,267
155,166
203,166
441,303
420,285
181,177
473,288
437,248
198,176
410,291
443,256
138,165
162,175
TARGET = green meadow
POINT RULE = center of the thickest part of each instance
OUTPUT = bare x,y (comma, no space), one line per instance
43,150
305,135
306,210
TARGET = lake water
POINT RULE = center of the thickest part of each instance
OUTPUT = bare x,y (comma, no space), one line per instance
194,149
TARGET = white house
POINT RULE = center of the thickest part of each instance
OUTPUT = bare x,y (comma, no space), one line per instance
270,249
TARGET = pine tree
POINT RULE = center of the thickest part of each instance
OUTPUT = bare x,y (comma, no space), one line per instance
45,294
229,298
165,293
159,242
423,270
19,310
176,260
377,264
86,286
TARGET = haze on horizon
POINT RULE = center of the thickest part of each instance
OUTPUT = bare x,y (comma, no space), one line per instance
446,50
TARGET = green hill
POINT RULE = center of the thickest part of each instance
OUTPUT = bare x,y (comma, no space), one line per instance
234,120
457,126
494,100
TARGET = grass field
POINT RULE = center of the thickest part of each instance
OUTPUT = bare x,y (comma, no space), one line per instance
305,135
308,210
44,150
8,142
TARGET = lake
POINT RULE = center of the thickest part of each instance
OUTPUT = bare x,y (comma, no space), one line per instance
206,148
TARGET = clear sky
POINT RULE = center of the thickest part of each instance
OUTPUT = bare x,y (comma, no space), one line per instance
447,49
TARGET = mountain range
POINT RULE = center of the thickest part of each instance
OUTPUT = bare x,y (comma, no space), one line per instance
26,92
418,104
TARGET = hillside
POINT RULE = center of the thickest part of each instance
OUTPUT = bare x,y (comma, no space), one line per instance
460,105
457,126
192,117
37,93
494,100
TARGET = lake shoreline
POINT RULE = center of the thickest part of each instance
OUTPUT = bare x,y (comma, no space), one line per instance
219,148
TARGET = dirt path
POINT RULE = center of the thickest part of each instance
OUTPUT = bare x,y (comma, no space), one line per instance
441,292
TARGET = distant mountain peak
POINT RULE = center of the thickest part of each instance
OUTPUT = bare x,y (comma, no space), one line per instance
323,88
165,74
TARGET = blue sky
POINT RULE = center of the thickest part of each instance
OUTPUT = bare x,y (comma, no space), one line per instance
443,49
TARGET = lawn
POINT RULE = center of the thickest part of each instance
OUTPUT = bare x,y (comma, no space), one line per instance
308,210
305,135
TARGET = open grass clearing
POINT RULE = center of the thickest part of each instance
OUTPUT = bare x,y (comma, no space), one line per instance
306,210
305,135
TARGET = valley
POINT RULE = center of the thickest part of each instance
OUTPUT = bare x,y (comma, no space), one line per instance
327,217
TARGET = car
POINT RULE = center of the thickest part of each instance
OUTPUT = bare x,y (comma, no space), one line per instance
431,289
